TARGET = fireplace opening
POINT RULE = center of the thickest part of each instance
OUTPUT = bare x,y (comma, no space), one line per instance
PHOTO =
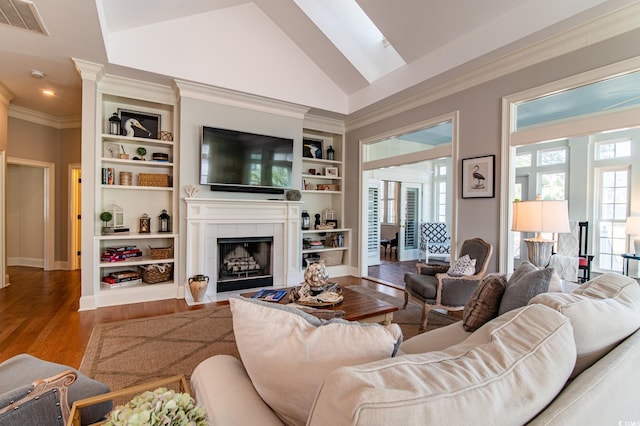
244,263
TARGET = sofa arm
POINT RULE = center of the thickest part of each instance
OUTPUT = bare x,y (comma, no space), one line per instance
435,340
222,386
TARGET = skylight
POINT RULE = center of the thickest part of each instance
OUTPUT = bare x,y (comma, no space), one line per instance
355,35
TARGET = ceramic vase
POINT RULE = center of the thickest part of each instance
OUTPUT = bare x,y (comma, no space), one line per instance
198,285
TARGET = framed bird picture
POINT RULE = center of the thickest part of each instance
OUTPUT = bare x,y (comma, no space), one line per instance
312,148
139,124
478,177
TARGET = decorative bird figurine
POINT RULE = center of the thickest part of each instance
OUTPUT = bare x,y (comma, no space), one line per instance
478,176
129,127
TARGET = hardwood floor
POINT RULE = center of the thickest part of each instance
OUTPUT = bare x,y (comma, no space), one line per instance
39,313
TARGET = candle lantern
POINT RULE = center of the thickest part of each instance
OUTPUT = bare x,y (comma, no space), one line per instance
118,215
164,222
144,224
114,124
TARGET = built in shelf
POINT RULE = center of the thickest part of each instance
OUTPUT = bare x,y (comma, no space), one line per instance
135,261
134,140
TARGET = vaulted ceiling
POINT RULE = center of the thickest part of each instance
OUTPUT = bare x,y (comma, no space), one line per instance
269,48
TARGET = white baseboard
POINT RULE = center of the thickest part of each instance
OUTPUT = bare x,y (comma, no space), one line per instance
25,261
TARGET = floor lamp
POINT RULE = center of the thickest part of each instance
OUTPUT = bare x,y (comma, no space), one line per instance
540,216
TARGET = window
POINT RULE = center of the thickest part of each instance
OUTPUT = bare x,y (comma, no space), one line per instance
388,199
440,192
550,157
552,185
523,160
613,197
609,150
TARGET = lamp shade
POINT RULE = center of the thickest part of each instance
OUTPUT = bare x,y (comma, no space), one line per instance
541,216
633,226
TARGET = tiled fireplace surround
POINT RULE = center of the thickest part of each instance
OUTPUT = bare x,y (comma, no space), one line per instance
210,219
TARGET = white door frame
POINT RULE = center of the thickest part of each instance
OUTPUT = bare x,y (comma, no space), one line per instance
49,206
75,209
402,252
399,160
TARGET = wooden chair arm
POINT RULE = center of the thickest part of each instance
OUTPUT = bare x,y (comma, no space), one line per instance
59,383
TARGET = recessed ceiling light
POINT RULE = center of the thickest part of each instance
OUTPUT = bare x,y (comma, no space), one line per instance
48,92
37,74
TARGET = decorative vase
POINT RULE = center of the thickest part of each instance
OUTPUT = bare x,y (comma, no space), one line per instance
198,285
316,274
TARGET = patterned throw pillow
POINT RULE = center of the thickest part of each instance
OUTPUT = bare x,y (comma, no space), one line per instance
485,302
462,266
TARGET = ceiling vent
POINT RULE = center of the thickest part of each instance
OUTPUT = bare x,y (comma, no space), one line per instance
21,14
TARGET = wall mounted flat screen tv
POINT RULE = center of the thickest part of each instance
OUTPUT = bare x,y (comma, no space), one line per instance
237,161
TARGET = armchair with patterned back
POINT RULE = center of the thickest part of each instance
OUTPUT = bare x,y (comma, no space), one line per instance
570,258
438,286
434,239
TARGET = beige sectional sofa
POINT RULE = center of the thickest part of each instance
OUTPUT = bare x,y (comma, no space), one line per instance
564,359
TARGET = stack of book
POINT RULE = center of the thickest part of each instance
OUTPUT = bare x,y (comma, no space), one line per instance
118,254
121,279
313,244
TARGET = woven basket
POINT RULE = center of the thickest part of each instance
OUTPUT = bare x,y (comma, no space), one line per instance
153,179
152,274
332,258
160,252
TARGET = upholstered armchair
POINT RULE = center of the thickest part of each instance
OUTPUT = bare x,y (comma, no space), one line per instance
434,239
434,288
34,392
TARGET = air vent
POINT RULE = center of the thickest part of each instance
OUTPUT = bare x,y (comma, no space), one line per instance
21,14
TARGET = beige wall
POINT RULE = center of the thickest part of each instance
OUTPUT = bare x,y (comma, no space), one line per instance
31,141
480,130
25,213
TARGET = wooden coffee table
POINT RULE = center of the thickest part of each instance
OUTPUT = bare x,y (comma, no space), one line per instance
357,307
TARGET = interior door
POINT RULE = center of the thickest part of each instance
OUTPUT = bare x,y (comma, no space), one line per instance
408,237
373,223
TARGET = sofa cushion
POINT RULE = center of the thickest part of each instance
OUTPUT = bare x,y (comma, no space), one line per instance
287,353
525,282
485,302
462,266
504,373
603,312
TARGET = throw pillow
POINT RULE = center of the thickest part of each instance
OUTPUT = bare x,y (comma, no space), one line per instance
527,281
484,303
462,266
287,353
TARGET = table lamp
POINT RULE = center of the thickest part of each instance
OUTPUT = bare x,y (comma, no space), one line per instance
540,216
633,228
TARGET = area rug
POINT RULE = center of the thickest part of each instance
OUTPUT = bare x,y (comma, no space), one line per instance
131,352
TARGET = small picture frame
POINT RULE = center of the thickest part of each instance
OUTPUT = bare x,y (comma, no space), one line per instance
478,177
312,148
149,124
333,222
331,171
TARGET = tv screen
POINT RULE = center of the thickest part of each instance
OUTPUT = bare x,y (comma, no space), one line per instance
232,160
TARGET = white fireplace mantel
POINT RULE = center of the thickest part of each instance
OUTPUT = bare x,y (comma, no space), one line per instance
210,219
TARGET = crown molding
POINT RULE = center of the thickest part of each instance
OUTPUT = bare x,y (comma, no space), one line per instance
138,89
44,119
325,124
237,99
602,28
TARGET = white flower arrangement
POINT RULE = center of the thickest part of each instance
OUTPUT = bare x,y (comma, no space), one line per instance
160,407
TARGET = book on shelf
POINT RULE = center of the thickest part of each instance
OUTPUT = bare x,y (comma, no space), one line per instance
107,284
125,274
270,295
119,249
112,280
120,256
